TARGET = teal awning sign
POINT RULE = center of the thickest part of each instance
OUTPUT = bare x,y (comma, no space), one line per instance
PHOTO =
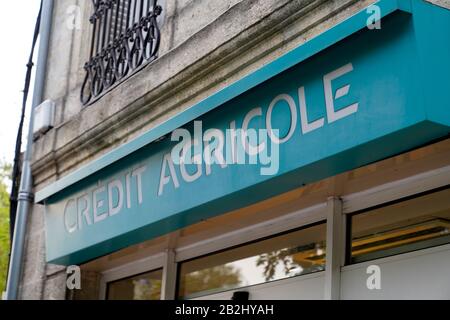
349,97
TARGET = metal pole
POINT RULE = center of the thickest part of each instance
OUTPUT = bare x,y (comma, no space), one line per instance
25,198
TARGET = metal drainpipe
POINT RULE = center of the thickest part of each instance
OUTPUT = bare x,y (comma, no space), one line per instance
25,199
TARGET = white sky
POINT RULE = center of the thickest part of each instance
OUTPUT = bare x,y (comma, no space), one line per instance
17,20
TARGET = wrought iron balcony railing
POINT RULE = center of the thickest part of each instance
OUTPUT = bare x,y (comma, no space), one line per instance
125,37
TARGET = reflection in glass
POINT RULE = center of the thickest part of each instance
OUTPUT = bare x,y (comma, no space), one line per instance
297,253
403,227
142,287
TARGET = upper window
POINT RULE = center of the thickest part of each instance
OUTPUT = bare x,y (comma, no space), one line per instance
406,226
125,36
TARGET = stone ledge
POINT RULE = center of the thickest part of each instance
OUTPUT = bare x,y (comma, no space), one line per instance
441,3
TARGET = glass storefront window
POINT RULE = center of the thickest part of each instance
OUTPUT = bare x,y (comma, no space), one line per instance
406,226
289,255
142,287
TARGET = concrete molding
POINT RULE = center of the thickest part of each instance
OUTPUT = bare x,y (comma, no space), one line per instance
441,3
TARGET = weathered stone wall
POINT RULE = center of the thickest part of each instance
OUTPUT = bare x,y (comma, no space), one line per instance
442,3
206,45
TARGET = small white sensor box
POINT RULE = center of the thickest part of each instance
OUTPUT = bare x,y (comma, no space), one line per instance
44,118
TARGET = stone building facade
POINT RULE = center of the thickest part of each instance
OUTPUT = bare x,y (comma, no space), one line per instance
206,45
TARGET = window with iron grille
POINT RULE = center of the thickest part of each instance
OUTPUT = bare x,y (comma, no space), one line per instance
125,37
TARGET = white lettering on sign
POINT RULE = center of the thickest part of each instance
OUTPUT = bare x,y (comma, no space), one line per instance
99,213
115,185
165,179
232,146
247,146
245,137
105,201
70,226
332,114
293,109
214,143
306,125
83,211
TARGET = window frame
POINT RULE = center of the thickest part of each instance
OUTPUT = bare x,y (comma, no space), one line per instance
348,235
365,200
267,229
268,237
129,270
109,64
130,277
